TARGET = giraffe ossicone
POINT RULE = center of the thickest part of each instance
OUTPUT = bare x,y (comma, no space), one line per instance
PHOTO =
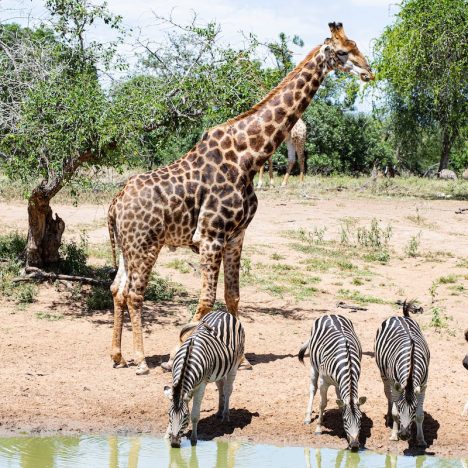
206,199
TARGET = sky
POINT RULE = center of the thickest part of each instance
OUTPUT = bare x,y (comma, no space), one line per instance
363,20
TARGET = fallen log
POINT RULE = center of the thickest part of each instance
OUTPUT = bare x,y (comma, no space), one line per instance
36,274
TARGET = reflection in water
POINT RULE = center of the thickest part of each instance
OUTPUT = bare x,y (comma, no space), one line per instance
344,459
133,453
151,452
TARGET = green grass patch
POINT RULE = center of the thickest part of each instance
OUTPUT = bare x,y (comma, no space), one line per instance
49,316
179,265
356,296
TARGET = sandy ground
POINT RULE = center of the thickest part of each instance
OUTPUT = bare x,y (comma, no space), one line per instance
57,375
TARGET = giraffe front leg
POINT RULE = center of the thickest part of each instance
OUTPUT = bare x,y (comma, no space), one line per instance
210,262
270,171
231,262
260,177
291,161
139,272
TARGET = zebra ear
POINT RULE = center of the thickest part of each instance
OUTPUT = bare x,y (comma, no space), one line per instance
417,390
398,387
361,400
168,391
340,404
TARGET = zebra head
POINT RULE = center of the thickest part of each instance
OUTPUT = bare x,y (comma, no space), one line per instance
352,419
178,417
406,406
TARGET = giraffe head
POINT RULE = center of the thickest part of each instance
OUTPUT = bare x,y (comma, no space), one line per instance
345,54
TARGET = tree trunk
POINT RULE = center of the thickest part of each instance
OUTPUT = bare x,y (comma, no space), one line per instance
446,146
45,232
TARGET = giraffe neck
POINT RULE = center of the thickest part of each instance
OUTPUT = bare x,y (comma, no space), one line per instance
259,131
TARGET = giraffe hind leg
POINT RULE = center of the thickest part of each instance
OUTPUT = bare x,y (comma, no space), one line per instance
120,305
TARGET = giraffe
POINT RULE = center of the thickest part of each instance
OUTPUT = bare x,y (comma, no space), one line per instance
295,142
206,199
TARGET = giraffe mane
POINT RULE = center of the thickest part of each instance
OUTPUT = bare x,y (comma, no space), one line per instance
289,77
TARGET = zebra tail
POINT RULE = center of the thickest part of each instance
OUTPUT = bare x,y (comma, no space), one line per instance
303,350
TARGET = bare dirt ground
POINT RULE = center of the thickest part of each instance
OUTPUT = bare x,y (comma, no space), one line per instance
56,375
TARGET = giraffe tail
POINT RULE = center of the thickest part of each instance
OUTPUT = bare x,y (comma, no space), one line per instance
111,227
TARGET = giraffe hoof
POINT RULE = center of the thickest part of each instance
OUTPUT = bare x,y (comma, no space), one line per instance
142,369
166,366
119,365
307,420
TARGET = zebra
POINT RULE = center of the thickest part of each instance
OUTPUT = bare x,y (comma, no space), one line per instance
212,353
335,358
402,356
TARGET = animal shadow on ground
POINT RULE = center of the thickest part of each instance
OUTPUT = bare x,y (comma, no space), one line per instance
156,360
430,429
333,421
256,359
211,427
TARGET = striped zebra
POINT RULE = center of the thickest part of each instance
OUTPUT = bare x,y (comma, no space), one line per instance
402,357
212,353
335,358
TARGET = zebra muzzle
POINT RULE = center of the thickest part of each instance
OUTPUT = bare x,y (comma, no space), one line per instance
175,441
353,444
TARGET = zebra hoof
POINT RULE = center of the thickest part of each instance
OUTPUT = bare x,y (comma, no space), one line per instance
142,369
394,438
318,432
421,444
219,415
193,442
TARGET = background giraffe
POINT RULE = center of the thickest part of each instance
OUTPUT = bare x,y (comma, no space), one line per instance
206,199
295,143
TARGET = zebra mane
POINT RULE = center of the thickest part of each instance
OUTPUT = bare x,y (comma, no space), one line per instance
177,388
410,307
409,381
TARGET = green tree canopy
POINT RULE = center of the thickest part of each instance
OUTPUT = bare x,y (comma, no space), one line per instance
422,63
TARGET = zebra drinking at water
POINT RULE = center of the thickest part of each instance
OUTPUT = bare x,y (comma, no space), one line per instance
335,357
402,356
212,353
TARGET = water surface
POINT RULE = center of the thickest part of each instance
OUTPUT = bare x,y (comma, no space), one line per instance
152,452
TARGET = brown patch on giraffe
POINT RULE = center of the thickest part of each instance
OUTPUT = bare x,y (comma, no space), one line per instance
280,113
226,143
288,99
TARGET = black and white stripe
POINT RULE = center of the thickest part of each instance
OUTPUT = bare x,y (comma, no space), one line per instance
211,354
402,356
335,358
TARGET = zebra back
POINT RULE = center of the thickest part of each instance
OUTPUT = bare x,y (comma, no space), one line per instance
209,353
336,351
401,352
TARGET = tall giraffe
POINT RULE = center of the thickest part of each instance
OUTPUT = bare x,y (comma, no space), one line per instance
206,199
295,142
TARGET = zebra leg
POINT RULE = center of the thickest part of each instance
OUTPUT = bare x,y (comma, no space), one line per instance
195,416
396,423
388,394
210,262
323,386
313,389
228,386
220,384
420,442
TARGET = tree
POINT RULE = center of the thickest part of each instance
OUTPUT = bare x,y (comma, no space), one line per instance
53,112
421,61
